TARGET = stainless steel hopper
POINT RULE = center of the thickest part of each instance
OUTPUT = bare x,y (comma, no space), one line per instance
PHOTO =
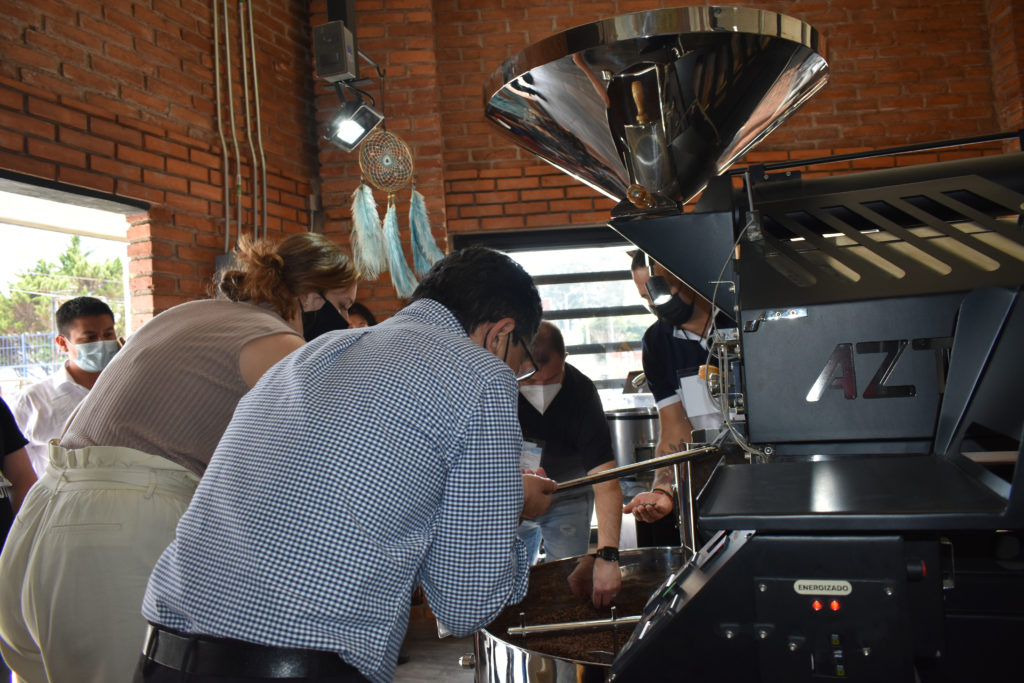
649,106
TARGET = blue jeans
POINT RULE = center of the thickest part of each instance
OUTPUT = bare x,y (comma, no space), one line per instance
565,528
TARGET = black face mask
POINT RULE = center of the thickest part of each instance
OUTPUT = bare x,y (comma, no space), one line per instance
675,311
327,319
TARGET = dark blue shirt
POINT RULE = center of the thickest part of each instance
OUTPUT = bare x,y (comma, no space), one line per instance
666,358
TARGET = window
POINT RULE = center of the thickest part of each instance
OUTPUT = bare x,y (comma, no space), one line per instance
52,252
587,290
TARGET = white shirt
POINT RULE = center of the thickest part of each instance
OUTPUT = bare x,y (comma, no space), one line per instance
41,411
701,410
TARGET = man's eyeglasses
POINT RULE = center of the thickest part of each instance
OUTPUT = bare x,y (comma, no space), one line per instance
522,374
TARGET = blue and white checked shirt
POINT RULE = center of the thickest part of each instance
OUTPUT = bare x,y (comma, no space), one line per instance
362,464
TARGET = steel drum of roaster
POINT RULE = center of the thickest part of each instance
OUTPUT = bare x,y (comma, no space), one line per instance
568,655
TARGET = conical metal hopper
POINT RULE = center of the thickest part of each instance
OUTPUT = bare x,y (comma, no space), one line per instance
649,106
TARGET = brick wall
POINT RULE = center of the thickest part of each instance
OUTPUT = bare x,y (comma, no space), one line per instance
399,36
119,97
1006,31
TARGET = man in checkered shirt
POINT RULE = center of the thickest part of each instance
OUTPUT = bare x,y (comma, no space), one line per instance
363,464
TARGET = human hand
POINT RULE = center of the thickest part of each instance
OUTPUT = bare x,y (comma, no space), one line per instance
650,506
580,582
536,495
607,582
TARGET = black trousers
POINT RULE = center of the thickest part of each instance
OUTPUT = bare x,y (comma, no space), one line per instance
6,519
172,657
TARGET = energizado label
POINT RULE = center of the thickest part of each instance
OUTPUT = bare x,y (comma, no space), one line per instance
822,587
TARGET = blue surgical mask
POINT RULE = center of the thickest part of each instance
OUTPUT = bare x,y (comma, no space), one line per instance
95,356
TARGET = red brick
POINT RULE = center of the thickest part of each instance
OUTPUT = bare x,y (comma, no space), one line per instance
196,254
116,17
164,181
28,125
145,99
114,131
138,191
140,157
54,44
89,78
86,179
115,169
187,202
12,140
532,195
82,140
55,152
51,111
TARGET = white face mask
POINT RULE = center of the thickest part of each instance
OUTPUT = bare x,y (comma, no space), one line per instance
540,396
95,356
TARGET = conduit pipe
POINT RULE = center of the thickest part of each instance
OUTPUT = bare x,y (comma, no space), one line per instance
220,127
231,114
259,125
243,63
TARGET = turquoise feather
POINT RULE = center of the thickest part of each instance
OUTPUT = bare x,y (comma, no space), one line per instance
425,251
401,276
368,249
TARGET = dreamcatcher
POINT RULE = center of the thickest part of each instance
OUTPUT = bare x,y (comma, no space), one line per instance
386,163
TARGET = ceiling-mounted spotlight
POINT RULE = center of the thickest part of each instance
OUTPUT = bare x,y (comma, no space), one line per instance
352,124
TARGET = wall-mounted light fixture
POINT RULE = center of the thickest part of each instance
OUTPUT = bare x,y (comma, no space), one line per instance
336,53
353,122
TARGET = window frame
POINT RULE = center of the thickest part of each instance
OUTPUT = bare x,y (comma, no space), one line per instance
569,238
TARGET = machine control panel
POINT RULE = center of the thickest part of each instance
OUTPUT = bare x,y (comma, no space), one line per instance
830,628
783,608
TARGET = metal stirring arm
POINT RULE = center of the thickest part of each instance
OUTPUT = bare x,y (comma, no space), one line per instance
643,466
588,624
684,494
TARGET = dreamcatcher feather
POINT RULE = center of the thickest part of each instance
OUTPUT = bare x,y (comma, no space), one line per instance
386,163
425,251
401,276
367,236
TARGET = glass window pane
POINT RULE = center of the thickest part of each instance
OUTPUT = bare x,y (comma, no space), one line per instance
605,347
588,295
583,260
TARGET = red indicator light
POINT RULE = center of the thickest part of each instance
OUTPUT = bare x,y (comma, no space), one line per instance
816,605
834,605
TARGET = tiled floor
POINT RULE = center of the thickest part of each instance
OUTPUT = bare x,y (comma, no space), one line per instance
433,660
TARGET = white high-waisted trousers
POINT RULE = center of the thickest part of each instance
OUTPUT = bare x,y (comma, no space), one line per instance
76,562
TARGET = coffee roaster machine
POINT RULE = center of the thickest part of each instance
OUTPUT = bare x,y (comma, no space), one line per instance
874,378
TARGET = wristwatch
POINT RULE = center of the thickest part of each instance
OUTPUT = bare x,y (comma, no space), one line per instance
608,553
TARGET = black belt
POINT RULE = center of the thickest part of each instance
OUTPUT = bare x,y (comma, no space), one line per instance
208,656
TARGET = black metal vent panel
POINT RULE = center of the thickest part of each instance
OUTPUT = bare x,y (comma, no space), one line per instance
943,234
